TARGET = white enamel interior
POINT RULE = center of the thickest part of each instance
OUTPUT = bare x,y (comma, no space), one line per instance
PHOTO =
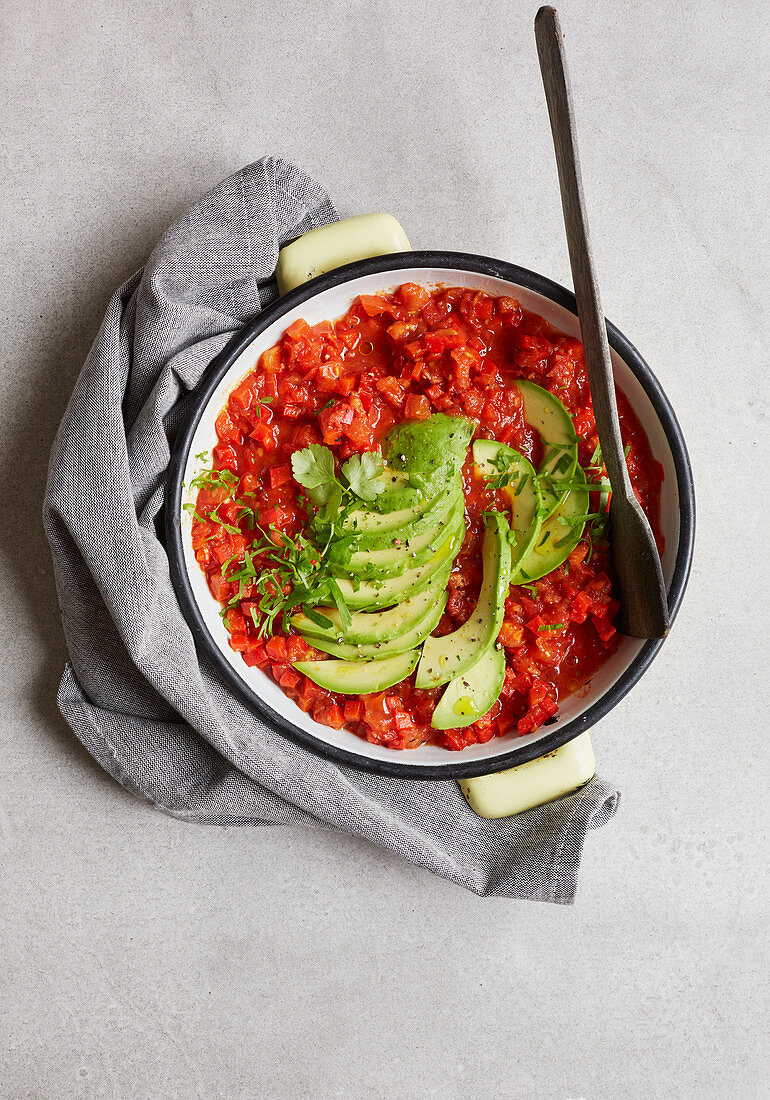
330,305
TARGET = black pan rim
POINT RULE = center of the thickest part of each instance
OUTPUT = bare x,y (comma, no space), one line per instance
211,377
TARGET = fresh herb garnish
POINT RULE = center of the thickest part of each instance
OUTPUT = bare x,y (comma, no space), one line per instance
506,474
316,616
214,479
573,521
280,573
364,474
313,469
552,626
277,572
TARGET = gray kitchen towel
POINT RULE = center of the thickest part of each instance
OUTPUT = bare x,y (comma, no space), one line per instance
137,693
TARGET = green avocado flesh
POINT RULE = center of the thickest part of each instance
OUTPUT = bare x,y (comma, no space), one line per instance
523,490
370,627
403,554
398,642
359,677
547,415
468,697
405,524
431,452
367,524
384,593
451,655
557,537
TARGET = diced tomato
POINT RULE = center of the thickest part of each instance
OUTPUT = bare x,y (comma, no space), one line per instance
296,647
374,304
345,385
392,390
280,475
266,435
464,359
359,431
353,710
327,375
579,607
400,331
289,678
334,421
413,296
270,360
604,629
328,714
417,407
304,435
226,457
242,399
297,330
254,654
473,401
277,649
510,309
511,635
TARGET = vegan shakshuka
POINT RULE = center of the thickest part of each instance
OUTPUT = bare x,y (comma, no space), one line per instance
405,518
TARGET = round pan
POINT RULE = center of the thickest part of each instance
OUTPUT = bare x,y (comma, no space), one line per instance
328,297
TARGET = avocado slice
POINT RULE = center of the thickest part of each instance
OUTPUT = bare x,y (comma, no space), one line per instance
359,677
557,537
370,627
363,522
371,595
431,452
523,491
450,656
408,522
546,413
468,697
397,643
409,553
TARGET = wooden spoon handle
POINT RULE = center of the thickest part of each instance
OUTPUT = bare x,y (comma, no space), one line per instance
593,328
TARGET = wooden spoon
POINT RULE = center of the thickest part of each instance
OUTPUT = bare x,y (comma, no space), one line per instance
644,611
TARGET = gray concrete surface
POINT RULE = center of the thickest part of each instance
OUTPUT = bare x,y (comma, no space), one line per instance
144,958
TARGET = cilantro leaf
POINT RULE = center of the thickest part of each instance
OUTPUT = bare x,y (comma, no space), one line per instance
313,469
364,474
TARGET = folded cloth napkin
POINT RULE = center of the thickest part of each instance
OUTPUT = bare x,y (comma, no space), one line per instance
138,695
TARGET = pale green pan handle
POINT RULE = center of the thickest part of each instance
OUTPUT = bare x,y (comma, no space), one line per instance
339,243
569,767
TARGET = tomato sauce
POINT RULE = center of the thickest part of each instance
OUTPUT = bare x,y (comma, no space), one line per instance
402,356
